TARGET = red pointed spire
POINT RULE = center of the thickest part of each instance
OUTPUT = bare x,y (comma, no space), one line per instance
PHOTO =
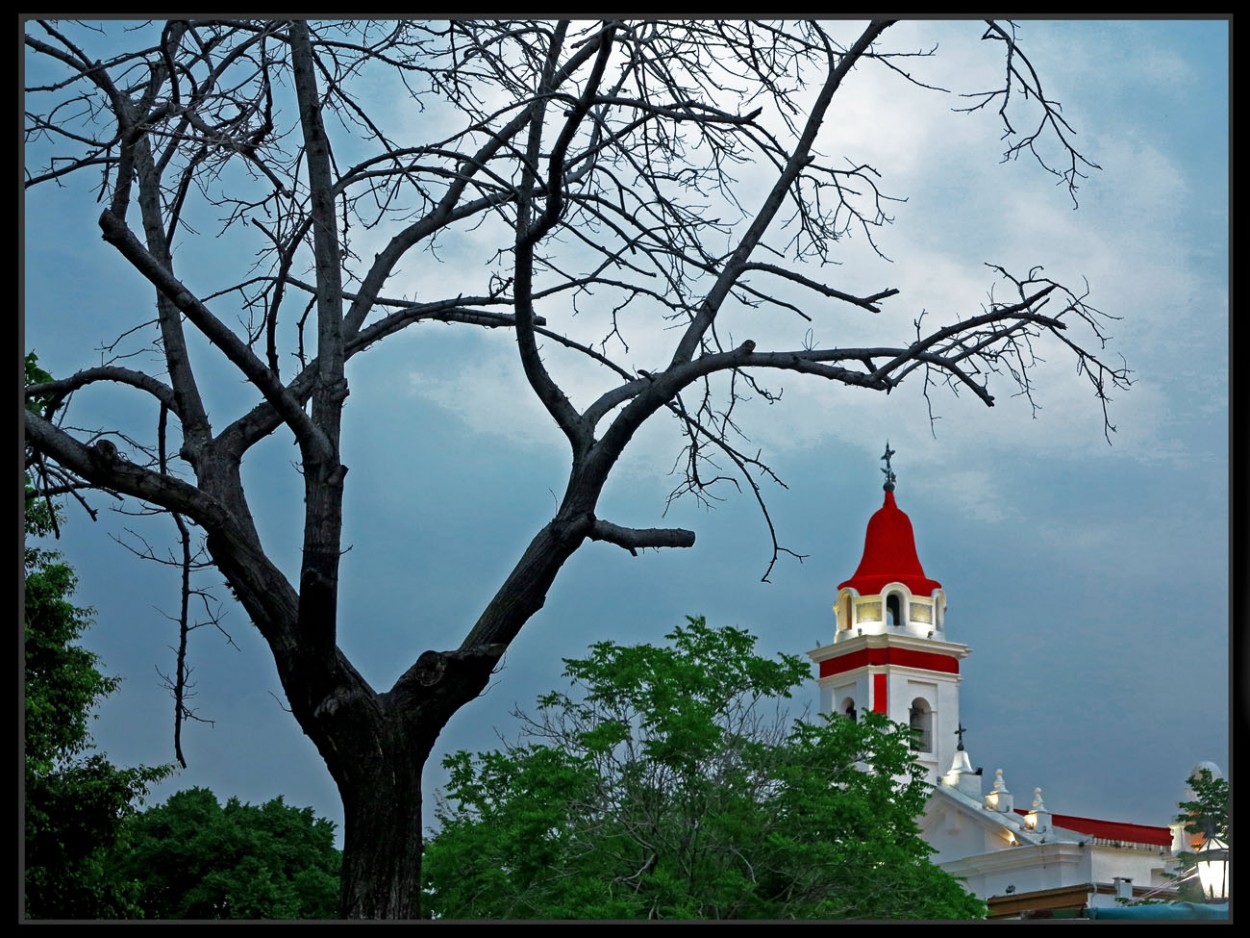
890,550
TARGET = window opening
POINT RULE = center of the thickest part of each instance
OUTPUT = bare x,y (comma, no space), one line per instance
920,719
893,610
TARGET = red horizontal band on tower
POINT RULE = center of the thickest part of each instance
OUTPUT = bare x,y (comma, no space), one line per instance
900,657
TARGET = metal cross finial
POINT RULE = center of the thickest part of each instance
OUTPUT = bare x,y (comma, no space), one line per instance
960,733
889,473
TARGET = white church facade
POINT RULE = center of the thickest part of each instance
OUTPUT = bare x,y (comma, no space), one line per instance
891,654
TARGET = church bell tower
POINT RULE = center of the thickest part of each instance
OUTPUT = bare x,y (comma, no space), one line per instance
889,652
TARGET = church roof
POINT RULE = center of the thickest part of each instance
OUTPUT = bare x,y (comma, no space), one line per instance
1065,828
890,554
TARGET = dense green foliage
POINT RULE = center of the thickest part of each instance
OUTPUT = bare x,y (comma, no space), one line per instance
76,800
672,787
193,858
91,853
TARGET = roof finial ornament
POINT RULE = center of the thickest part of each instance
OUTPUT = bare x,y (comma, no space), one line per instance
889,473
960,733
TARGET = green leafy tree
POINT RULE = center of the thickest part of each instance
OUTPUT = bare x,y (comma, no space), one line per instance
76,800
672,786
1205,813
193,858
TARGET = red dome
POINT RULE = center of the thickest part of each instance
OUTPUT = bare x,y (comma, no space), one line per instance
890,555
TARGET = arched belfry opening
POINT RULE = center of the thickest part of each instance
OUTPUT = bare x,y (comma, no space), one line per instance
894,609
920,719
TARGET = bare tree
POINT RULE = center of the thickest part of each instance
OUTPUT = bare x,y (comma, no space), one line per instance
599,159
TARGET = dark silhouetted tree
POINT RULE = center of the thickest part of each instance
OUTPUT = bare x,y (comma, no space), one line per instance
666,179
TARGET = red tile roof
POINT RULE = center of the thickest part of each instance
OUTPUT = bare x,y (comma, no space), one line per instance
1112,830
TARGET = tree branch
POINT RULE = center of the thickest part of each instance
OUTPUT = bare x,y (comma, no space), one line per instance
119,235
800,158
138,379
866,302
102,466
634,538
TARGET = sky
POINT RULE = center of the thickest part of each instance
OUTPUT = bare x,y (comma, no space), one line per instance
1091,581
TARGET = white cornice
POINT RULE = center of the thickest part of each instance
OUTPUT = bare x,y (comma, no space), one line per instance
1013,859
897,639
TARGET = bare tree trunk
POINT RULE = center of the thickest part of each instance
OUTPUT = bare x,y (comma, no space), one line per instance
376,747
382,829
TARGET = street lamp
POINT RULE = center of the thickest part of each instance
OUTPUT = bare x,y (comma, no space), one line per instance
1212,865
